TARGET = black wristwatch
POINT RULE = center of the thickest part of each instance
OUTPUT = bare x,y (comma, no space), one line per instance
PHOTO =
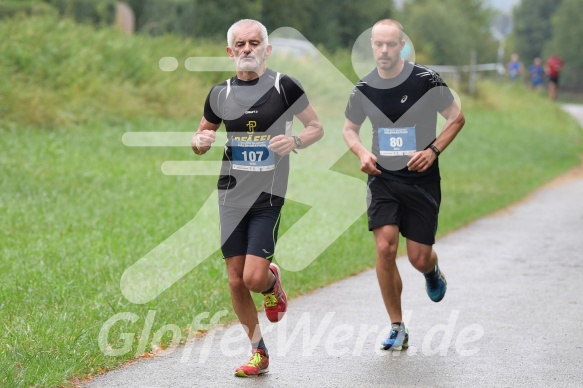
298,141
434,149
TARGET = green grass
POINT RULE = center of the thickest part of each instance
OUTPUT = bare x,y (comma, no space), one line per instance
514,141
79,207
56,73
570,97
76,218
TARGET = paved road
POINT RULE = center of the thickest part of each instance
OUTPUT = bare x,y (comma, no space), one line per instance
513,316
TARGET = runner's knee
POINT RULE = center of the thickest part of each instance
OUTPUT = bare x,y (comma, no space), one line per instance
420,260
254,281
236,282
386,250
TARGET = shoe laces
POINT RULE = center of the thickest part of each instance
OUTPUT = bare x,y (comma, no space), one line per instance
270,299
394,334
255,359
433,281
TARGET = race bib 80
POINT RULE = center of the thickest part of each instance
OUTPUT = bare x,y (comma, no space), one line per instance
397,141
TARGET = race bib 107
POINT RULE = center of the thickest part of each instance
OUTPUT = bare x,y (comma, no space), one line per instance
252,155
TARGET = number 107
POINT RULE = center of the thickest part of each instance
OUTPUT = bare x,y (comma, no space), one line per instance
252,156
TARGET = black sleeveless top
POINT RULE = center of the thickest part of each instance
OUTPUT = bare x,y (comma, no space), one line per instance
253,113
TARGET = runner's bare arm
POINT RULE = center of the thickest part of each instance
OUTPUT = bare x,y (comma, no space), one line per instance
454,122
204,136
352,138
313,131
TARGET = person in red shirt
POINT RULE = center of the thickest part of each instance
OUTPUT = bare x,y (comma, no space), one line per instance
553,68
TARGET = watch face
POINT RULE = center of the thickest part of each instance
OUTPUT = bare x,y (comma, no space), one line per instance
298,141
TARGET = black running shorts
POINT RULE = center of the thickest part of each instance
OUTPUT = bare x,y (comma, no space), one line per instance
413,208
554,79
249,232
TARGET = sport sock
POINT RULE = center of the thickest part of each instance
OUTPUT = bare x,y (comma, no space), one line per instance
431,273
270,289
260,345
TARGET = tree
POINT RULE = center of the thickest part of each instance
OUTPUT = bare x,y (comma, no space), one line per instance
298,14
532,26
191,18
567,31
355,17
332,24
446,32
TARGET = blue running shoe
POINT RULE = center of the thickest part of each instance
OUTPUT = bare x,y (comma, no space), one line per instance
435,284
398,338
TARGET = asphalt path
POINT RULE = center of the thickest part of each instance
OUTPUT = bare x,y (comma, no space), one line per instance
512,316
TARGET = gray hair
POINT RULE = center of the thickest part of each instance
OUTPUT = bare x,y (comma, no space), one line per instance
246,21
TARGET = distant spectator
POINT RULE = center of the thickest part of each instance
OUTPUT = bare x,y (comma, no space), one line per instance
553,68
514,67
536,73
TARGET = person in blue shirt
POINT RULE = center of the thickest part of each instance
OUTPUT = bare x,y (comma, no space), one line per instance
536,73
514,67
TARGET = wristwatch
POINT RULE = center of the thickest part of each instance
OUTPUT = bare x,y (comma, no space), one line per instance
298,141
435,149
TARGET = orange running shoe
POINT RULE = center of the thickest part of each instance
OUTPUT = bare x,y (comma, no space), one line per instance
257,365
275,302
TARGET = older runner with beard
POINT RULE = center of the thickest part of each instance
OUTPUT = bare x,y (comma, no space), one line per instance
257,107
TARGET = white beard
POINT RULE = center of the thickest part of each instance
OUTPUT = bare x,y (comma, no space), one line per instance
247,65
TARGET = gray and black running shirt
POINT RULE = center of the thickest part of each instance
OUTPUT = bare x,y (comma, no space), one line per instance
253,113
403,113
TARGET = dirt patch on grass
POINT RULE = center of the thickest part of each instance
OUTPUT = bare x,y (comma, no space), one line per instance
569,176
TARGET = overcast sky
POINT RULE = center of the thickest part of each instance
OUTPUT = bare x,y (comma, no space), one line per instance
503,5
